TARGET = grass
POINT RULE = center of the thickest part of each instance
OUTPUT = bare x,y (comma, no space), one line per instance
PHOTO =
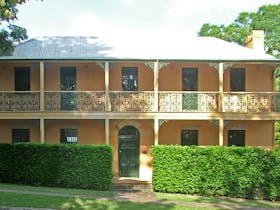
56,202
219,200
58,190
75,200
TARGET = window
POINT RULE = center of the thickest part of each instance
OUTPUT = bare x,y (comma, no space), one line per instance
68,82
22,79
130,78
20,135
68,78
69,135
189,137
236,137
190,83
237,79
190,79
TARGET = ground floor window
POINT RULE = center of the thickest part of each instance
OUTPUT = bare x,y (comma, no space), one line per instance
189,137
69,135
20,135
236,137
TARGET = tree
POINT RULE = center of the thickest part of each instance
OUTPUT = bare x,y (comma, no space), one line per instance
267,18
9,33
277,133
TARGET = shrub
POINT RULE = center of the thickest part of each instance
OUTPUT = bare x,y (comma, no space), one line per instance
273,176
226,171
83,166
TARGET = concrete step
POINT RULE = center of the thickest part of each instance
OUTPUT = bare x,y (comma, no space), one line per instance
132,187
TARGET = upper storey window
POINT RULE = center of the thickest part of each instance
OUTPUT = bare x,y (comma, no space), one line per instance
22,79
68,84
190,83
68,78
237,79
190,79
129,78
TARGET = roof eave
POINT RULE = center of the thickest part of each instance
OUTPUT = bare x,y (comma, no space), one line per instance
114,59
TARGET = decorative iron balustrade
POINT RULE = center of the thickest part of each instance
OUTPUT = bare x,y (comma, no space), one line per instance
19,101
142,101
251,102
185,101
81,101
132,101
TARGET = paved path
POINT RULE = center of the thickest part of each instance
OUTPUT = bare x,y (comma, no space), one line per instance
144,196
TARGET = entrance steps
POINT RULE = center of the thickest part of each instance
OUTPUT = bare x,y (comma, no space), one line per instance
131,185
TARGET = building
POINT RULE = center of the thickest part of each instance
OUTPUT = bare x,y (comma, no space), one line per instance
77,90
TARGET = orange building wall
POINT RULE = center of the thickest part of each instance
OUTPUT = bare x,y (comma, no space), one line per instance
8,79
90,76
145,76
170,77
258,78
170,132
258,133
89,131
6,127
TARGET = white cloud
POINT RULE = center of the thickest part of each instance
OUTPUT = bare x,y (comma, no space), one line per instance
86,25
130,19
191,15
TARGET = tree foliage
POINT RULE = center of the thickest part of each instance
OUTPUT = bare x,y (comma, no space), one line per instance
10,33
277,133
267,18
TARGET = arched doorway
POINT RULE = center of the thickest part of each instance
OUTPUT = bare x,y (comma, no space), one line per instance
128,151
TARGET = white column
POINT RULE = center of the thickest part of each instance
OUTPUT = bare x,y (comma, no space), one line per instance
42,130
42,86
156,70
107,131
156,128
107,88
221,86
221,132
107,102
221,91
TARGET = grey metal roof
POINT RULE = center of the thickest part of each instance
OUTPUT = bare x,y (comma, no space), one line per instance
197,48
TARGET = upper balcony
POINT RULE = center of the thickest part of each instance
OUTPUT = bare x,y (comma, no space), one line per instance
137,87
141,101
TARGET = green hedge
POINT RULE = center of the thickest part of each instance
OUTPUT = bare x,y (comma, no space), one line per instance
228,171
83,166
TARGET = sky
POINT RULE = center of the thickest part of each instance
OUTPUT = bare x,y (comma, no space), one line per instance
113,20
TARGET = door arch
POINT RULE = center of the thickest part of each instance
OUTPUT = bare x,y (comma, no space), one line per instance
128,151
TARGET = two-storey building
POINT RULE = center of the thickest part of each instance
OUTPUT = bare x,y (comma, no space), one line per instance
77,90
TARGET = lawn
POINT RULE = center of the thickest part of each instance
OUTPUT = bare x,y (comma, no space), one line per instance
57,202
218,200
69,191
87,199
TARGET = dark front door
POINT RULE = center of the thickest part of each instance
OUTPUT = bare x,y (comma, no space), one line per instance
128,152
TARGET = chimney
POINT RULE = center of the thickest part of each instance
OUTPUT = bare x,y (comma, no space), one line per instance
256,40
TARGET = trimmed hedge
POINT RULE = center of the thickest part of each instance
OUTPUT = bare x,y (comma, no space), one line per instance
228,171
82,166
